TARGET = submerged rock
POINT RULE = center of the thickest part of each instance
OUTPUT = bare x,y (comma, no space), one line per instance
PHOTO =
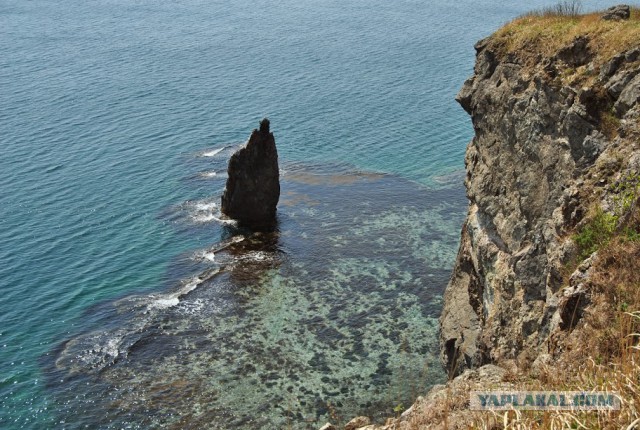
253,184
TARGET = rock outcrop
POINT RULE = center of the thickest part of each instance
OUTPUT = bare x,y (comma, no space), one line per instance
553,125
253,184
617,13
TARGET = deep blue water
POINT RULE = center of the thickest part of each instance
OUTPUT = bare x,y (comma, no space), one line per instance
111,115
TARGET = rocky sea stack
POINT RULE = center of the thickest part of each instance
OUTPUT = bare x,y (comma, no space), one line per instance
253,184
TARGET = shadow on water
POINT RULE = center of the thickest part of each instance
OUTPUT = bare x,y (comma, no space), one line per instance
332,315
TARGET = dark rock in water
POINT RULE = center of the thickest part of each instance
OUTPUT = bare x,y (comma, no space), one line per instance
616,13
253,184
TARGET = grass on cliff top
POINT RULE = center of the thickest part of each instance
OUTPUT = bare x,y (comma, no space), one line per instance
544,33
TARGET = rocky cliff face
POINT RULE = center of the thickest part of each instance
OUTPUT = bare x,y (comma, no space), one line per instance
556,124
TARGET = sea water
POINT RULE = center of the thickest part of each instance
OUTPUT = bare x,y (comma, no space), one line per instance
127,302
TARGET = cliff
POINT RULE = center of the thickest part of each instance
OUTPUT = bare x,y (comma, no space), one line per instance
554,105
545,292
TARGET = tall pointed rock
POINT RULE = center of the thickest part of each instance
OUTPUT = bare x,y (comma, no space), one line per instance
253,184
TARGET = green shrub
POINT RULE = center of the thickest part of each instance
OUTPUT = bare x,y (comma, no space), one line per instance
627,190
623,222
596,233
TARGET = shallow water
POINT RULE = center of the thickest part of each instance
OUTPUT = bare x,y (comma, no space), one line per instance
333,315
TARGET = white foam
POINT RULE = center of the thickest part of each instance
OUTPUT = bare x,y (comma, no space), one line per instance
235,239
193,308
203,211
165,301
206,255
93,351
224,221
168,300
213,152
210,174
256,256
205,206
209,256
204,218
190,286
112,347
98,350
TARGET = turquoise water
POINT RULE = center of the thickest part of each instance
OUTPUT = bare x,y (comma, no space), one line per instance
122,292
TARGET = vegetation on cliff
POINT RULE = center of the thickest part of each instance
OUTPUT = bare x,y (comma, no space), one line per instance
594,346
539,35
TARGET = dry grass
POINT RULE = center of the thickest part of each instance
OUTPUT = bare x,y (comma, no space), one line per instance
602,353
609,124
543,34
